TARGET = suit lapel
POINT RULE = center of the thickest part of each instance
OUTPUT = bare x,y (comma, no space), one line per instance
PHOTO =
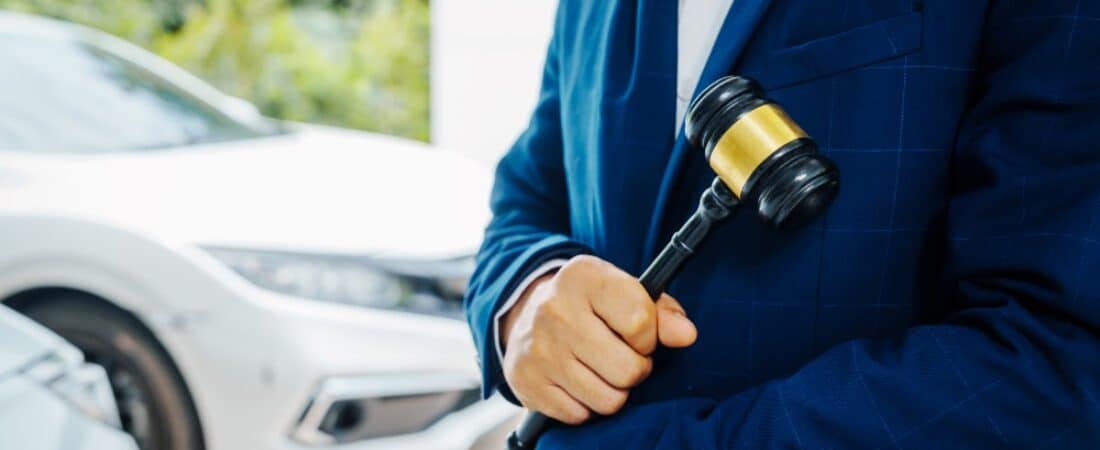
741,20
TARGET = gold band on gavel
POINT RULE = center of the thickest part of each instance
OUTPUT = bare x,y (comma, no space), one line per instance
749,141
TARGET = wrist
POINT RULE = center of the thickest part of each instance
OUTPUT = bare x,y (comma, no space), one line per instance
511,317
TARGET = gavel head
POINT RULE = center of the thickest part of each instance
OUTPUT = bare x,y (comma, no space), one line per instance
760,153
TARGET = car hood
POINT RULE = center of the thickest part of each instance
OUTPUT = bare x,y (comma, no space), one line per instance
315,189
26,342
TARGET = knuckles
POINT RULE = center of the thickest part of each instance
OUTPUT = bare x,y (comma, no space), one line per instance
631,374
610,403
638,322
639,329
639,372
579,270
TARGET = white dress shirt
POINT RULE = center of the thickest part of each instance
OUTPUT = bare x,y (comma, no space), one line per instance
698,25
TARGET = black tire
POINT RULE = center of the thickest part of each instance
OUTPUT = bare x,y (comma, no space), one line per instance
154,403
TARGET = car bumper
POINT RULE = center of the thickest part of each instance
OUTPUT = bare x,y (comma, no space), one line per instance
482,426
265,370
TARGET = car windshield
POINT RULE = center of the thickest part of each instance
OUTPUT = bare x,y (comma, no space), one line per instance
62,96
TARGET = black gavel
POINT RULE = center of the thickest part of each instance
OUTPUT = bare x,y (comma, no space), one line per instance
762,157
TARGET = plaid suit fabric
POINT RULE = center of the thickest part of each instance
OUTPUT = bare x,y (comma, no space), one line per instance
949,298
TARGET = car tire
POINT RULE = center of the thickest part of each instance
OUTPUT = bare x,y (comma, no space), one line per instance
154,403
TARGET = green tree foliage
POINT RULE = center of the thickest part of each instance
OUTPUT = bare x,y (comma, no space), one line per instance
353,63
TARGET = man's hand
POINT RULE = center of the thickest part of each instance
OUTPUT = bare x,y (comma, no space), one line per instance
578,339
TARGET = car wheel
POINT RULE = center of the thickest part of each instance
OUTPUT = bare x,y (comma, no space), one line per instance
153,402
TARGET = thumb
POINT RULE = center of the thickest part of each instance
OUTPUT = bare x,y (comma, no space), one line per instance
674,329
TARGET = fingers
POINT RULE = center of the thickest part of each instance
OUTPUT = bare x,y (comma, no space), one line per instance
674,329
538,392
555,402
622,303
579,339
581,383
571,394
612,359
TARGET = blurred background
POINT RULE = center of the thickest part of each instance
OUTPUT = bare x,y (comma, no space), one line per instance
236,224
353,63
409,68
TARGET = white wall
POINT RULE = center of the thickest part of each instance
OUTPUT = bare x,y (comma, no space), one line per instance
487,60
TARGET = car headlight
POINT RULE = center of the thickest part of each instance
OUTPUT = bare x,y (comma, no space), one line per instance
434,287
83,385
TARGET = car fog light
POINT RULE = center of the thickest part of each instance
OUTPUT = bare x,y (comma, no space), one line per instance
342,418
349,409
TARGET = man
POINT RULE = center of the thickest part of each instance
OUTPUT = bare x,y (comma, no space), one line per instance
949,297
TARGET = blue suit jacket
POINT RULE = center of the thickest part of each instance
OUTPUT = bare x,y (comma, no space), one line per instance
949,298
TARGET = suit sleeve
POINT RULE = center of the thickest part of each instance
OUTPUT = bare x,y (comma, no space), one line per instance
530,224
1016,362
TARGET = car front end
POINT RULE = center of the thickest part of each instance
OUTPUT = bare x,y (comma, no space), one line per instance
303,282
330,362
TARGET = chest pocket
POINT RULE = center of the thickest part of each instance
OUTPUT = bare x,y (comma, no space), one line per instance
820,38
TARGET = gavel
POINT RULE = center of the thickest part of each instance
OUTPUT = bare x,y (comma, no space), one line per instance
761,157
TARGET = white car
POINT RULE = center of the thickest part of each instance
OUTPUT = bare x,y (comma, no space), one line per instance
50,399
247,284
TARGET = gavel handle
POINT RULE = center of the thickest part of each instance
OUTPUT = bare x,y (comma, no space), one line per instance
717,204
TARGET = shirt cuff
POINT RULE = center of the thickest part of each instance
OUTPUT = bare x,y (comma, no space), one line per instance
545,268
